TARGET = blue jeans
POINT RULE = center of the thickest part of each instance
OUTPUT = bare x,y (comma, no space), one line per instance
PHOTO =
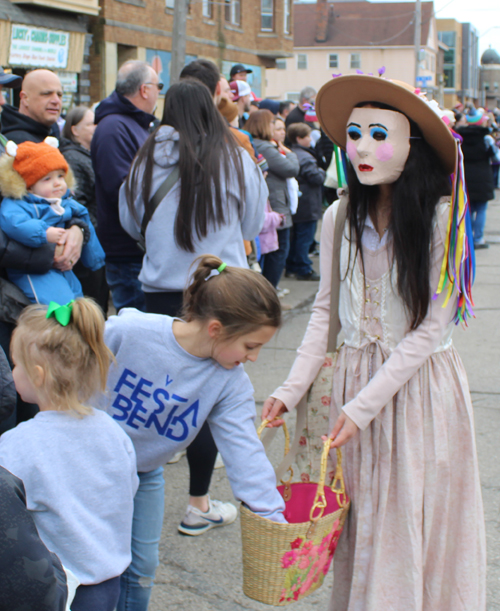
273,263
137,581
478,217
99,597
126,290
298,261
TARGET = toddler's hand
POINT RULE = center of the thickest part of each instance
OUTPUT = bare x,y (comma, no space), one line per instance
59,250
56,235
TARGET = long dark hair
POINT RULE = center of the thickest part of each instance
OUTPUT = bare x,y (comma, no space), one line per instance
207,149
415,196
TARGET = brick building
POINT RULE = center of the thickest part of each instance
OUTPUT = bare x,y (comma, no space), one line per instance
254,33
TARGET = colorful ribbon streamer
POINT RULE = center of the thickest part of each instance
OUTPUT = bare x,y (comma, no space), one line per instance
459,263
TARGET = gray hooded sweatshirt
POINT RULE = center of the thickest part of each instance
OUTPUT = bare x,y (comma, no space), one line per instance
165,266
161,395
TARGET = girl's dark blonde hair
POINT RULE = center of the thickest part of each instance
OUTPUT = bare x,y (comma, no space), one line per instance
74,358
240,299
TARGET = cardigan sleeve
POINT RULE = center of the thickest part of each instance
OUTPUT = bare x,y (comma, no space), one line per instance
408,356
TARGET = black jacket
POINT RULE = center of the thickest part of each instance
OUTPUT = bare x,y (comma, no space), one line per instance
311,178
32,578
80,162
478,172
121,131
21,128
8,396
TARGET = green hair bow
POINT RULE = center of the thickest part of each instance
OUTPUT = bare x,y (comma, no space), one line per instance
62,313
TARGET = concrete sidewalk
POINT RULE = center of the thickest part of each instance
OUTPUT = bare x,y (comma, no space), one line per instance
205,573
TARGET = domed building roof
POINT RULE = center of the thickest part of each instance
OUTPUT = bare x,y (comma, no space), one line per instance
490,56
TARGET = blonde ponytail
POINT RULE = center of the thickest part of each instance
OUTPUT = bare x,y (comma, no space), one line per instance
74,358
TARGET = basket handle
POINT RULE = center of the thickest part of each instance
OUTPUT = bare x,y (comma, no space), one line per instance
338,487
287,493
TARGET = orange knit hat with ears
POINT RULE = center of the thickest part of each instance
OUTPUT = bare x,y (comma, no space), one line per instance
34,161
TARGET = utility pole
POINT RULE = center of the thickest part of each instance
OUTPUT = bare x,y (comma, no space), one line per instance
418,26
178,40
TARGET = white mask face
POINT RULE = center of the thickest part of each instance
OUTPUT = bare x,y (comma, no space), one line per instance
378,144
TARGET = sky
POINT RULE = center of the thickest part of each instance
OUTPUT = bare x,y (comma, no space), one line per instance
483,14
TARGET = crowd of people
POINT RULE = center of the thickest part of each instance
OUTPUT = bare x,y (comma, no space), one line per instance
91,209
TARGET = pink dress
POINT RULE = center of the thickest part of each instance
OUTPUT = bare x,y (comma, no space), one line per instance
414,539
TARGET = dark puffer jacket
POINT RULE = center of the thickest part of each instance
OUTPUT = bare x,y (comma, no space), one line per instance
80,162
478,172
21,128
32,577
311,179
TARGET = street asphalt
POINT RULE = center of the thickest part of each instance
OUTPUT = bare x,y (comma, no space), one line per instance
205,573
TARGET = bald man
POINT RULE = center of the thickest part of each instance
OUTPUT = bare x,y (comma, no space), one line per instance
39,109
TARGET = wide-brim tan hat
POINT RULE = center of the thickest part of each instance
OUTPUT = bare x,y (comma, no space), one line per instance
337,98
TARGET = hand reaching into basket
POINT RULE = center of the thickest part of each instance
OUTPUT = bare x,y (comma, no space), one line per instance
344,429
273,408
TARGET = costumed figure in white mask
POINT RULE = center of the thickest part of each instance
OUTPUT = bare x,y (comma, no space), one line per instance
400,408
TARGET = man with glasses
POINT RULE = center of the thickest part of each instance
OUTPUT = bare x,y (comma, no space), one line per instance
123,120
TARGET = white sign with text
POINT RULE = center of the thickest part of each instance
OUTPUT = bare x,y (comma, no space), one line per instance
38,48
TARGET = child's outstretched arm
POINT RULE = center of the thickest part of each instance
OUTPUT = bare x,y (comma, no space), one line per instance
251,475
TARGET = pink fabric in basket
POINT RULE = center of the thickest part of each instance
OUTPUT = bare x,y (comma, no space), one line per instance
298,508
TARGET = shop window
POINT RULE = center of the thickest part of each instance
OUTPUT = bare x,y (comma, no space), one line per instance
333,60
281,64
449,76
287,8
355,60
449,56
301,61
267,15
448,38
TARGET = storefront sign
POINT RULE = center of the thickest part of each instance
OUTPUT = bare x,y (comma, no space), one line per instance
69,81
38,48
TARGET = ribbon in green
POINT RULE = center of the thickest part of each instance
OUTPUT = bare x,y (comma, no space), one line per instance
62,313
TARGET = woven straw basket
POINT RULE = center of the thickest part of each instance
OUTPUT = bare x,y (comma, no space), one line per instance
283,563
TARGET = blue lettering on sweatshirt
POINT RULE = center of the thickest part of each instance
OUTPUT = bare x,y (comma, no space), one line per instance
130,407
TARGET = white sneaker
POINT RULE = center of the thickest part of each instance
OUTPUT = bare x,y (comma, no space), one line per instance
196,522
176,457
282,292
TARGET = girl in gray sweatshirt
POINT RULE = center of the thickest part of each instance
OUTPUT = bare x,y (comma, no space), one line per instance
172,375
77,465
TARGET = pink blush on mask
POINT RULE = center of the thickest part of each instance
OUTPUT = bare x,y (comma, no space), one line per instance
352,151
385,151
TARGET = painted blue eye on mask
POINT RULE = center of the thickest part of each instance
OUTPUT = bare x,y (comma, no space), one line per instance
378,133
354,132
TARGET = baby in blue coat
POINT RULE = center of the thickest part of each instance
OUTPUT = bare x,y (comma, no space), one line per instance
37,204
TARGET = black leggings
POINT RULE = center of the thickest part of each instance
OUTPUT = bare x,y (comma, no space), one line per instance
202,452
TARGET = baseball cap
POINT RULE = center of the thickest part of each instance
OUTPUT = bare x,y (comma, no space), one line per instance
239,68
10,80
239,89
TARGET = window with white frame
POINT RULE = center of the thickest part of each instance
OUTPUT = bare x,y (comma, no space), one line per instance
170,4
301,61
267,15
333,60
208,9
281,64
287,16
293,96
232,11
355,60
